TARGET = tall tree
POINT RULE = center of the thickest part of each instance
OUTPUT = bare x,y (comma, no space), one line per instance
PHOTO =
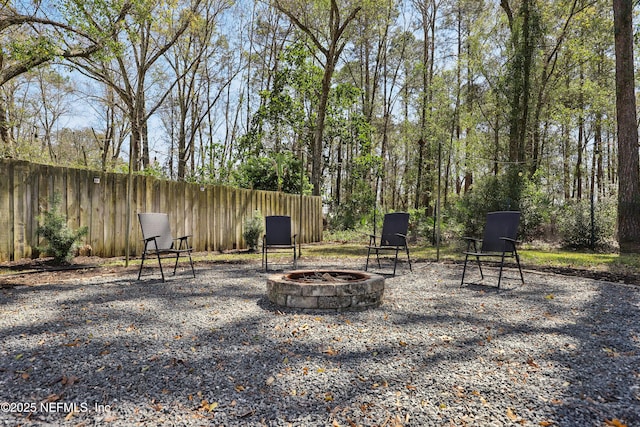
192,61
149,30
326,31
629,181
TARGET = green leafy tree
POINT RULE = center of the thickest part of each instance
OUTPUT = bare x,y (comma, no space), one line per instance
278,172
325,24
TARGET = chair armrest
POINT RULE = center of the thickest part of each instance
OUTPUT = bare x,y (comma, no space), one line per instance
510,240
183,240
472,241
148,240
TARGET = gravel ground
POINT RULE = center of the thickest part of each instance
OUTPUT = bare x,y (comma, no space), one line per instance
110,350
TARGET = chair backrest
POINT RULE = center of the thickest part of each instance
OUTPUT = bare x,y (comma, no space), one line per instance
278,230
500,224
156,224
394,223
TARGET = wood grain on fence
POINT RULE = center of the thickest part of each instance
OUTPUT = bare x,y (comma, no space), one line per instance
213,215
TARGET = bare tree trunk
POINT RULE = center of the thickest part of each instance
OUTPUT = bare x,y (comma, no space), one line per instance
5,135
629,171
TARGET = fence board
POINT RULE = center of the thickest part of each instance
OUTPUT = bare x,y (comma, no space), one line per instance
6,198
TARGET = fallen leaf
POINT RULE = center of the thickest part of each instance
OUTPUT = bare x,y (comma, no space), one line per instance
531,362
330,351
546,423
550,296
239,387
70,380
51,398
209,407
511,415
615,423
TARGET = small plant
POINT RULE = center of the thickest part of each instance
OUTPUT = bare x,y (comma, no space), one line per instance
61,240
253,228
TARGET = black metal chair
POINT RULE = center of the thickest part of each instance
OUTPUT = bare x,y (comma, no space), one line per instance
278,236
157,238
498,241
394,238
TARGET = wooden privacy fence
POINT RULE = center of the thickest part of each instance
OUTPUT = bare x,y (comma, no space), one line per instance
214,215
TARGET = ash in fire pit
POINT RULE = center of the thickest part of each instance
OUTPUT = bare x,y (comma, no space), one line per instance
326,276
339,290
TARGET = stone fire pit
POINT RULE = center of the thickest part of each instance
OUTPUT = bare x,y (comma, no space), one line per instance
339,290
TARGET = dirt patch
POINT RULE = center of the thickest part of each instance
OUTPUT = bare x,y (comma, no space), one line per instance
32,272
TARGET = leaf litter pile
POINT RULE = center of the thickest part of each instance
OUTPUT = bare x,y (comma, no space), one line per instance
111,350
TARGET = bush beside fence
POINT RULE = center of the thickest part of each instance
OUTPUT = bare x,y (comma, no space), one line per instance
213,215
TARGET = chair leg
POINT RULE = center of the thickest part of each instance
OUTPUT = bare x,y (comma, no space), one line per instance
519,268
395,262
366,266
142,262
501,267
175,267
160,264
464,269
295,260
193,271
408,258
265,260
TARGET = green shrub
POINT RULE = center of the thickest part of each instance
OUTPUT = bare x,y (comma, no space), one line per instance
495,193
61,240
253,228
488,194
576,229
